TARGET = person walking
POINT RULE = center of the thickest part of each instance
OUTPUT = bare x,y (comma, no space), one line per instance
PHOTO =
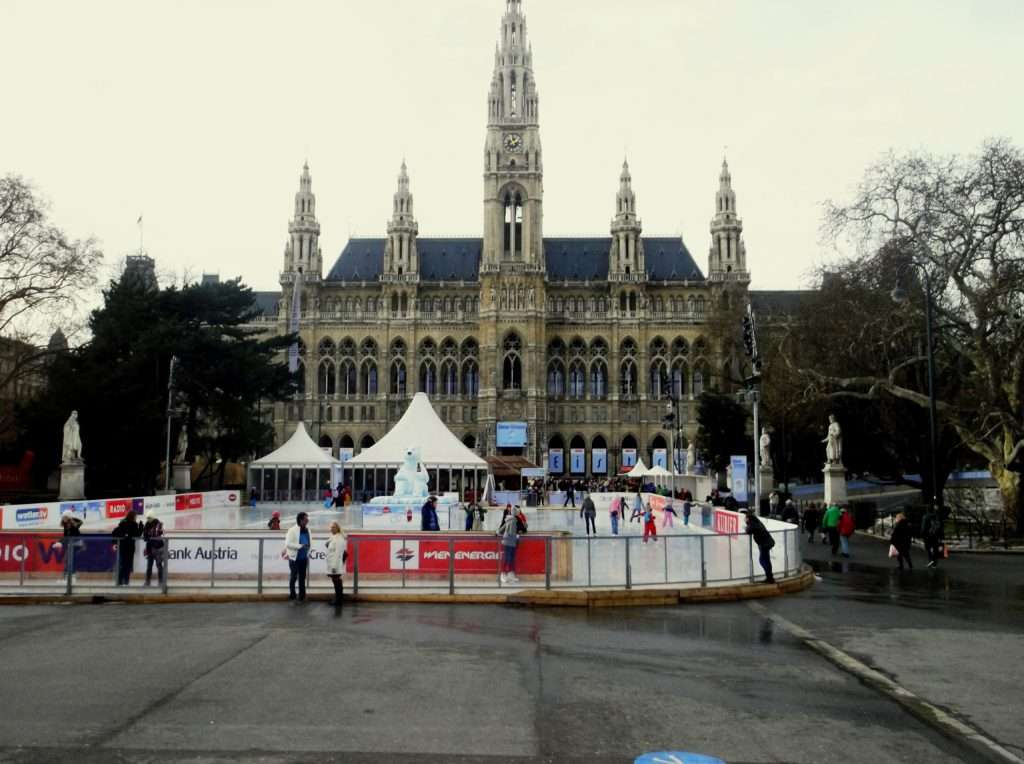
846,528
509,534
71,528
650,528
589,512
773,503
900,541
687,507
153,534
428,515
810,522
830,525
297,543
789,513
638,508
337,554
274,524
614,512
570,494
253,496
931,534
481,516
470,511
764,542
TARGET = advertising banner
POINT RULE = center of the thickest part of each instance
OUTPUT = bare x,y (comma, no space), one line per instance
44,552
511,434
726,521
659,458
533,472
344,454
629,457
38,516
599,461
429,555
556,464
579,460
739,478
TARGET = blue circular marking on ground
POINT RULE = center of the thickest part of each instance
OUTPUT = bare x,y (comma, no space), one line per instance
677,757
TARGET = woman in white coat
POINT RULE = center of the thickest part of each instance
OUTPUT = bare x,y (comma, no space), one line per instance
336,555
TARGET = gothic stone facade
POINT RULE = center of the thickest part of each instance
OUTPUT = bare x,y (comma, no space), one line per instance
579,338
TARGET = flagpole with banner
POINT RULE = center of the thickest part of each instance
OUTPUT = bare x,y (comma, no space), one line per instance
293,323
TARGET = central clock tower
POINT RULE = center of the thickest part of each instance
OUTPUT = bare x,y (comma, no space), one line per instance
513,172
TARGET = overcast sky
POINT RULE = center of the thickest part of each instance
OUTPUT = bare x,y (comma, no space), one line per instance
198,114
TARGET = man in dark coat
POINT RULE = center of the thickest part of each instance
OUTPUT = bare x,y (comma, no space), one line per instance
428,515
126,532
764,542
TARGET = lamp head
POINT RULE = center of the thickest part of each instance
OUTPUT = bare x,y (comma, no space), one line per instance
899,295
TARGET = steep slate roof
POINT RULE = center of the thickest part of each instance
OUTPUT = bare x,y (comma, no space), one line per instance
266,302
568,259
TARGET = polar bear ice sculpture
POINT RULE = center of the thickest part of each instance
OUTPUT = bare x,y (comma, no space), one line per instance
410,483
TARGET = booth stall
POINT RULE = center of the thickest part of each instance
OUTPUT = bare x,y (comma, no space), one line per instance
298,471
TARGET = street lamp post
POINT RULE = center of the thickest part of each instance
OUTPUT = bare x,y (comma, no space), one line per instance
672,421
899,295
170,419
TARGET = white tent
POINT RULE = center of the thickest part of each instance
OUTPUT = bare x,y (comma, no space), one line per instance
638,471
451,465
658,471
297,471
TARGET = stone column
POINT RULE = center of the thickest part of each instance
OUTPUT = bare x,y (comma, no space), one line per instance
835,483
72,481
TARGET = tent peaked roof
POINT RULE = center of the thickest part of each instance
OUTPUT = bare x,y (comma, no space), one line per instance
639,470
299,449
420,427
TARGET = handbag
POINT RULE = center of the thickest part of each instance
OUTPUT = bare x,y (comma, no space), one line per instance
893,551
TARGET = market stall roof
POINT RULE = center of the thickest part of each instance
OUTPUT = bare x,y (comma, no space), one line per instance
298,450
638,471
509,466
420,427
657,471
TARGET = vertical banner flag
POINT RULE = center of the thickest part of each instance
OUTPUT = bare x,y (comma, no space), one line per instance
555,464
293,323
739,478
579,460
345,454
599,461
629,457
660,458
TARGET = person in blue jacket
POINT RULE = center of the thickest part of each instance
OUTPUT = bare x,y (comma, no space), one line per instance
428,515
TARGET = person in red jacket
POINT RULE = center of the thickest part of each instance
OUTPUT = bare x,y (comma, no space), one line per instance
846,529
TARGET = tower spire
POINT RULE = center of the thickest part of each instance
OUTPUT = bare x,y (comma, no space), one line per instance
400,255
627,252
728,251
303,248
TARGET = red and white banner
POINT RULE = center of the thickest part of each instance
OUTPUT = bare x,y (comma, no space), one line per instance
726,522
429,555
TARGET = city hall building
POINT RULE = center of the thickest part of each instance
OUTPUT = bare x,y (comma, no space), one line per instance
559,350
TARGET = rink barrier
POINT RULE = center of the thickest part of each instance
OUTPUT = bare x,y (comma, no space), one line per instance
252,561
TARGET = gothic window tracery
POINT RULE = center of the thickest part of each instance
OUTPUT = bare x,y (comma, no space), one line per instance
512,364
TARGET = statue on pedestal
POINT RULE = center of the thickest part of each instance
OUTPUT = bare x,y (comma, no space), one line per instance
72,448
833,442
691,458
766,444
179,456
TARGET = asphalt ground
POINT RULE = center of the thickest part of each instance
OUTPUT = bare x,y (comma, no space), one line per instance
461,683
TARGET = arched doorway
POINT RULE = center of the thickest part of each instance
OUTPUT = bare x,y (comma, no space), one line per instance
598,456
578,456
327,444
630,452
659,452
556,455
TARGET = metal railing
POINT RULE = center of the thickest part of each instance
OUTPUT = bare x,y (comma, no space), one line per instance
438,562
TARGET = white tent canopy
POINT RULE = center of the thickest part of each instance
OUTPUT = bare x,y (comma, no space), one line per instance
657,471
299,450
638,471
420,427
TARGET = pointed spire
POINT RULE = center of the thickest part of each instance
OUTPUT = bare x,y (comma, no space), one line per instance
725,179
403,197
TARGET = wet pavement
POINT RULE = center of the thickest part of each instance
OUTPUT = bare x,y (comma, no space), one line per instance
451,683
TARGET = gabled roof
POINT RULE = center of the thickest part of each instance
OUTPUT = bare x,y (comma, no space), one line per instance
568,259
297,451
266,302
420,427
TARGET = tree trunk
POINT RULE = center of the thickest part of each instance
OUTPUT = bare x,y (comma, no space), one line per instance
1010,491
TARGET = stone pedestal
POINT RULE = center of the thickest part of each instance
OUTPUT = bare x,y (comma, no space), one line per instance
835,484
72,481
181,474
767,481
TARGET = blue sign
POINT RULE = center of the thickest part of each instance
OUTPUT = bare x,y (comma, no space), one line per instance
739,478
659,458
511,434
579,460
676,757
599,461
556,465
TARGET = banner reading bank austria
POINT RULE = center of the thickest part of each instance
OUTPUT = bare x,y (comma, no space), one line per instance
429,555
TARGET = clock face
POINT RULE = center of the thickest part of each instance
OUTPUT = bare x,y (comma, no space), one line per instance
513,143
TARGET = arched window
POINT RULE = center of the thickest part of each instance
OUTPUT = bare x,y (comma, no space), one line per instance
628,378
679,379
658,374
556,380
348,377
512,364
599,380
471,379
369,378
398,383
449,378
326,381
428,377
513,225
300,379
366,442
698,381
469,441
577,380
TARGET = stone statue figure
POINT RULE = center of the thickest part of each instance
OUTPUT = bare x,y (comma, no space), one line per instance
833,442
691,457
179,455
766,444
72,450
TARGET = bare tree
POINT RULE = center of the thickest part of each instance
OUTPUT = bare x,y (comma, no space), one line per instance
952,229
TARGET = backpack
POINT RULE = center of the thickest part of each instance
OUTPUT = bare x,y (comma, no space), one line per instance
846,524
